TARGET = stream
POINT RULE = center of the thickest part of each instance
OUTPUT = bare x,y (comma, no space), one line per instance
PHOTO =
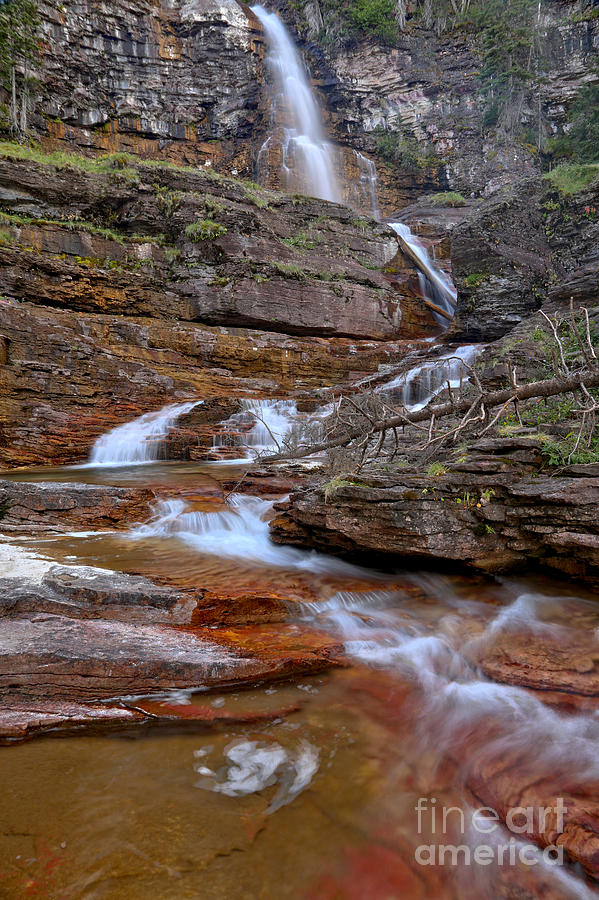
345,757
393,773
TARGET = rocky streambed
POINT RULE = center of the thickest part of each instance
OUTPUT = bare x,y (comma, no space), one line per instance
225,678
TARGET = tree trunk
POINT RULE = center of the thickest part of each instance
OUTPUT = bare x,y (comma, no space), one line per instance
549,388
14,119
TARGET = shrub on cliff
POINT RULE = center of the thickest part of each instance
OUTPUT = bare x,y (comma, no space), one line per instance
376,18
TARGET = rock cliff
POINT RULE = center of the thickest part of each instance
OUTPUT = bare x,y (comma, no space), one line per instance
185,81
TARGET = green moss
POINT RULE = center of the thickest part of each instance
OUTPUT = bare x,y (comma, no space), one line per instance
572,178
435,469
448,198
205,230
402,147
331,487
6,237
290,271
213,205
301,241
475,279
220,281
168,201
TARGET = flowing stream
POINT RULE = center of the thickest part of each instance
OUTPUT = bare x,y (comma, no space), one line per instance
446,693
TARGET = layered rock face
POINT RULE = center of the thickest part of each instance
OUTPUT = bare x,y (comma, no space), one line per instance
175,80
489,513
117,285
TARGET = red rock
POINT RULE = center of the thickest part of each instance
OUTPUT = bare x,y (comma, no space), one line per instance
55,657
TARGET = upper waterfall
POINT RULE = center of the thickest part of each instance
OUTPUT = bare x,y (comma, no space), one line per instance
307,157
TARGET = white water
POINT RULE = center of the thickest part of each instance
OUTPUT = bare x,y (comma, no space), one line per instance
307,157
457,700
272,422
251,766
436,285
456,695
418,386
139,441
367,184
239,531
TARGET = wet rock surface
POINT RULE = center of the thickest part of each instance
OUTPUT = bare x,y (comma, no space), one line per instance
90,593
109,309
50,506
53,656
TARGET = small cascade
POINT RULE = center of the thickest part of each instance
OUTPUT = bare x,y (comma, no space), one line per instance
239,531
139,441
418,386
307,158
367,185
270,422
436,285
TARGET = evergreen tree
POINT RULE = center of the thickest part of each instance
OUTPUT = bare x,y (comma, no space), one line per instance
18,56
580,143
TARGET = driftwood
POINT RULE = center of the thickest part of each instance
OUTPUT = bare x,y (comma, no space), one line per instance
366,421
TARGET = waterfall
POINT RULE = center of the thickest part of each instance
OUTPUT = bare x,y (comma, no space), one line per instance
139,441
272,421
367,184
416,387
307,157
436,285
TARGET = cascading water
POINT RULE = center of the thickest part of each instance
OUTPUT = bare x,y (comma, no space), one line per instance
139,441
307,157
436,285
416,387
239,531
272,421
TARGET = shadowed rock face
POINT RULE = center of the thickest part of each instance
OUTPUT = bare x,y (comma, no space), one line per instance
526,244
502,261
